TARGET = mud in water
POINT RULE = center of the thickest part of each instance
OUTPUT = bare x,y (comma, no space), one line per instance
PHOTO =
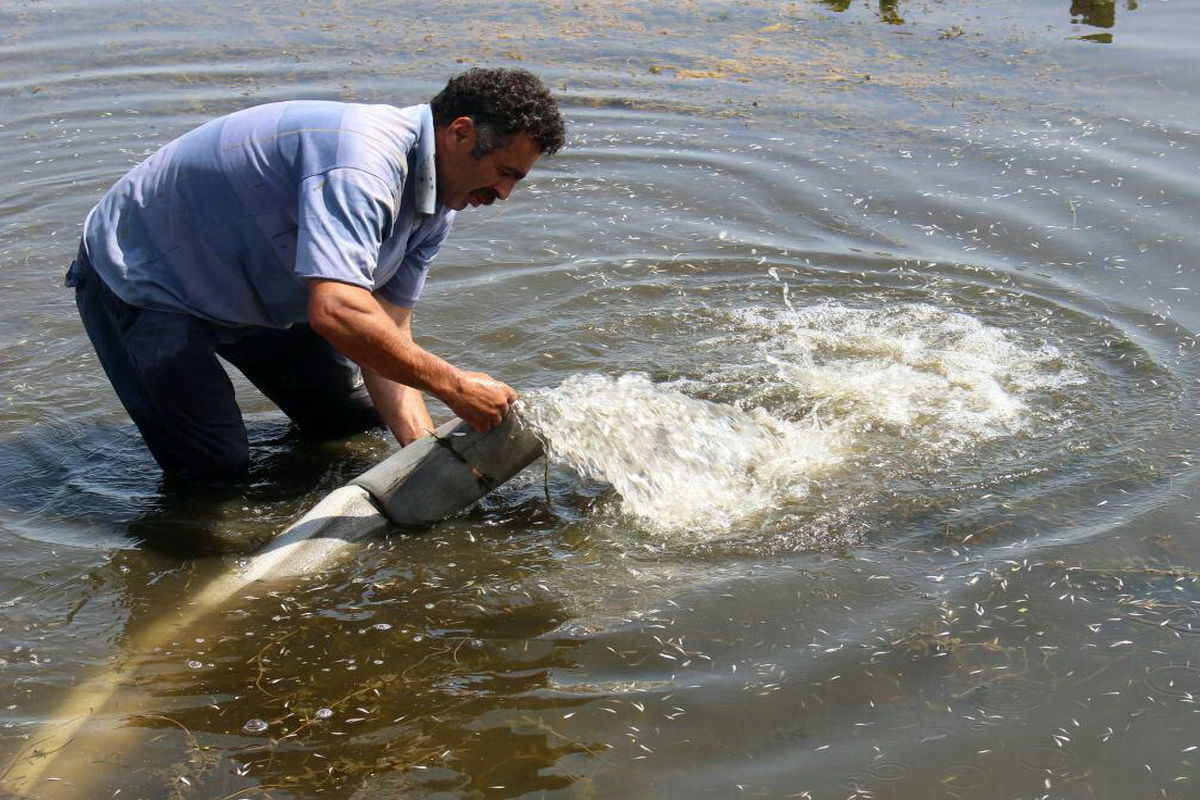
862,336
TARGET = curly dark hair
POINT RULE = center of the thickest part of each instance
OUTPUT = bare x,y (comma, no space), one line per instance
502,103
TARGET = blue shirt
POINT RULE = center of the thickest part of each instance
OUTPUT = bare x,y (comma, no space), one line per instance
229,221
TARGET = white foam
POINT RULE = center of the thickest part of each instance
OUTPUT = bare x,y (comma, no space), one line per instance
814,387
943,377
677,462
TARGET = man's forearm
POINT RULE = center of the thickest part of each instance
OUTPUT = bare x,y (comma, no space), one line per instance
356,325
401,407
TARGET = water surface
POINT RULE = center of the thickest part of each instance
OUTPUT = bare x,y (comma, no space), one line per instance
863,334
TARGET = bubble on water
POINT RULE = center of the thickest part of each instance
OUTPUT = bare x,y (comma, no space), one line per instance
382,626
254,726
323,713
194,664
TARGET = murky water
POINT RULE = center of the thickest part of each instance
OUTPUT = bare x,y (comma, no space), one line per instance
863,337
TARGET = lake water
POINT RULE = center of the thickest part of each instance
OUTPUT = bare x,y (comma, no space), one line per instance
863,337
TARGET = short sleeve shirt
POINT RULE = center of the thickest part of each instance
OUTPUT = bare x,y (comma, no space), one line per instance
229,221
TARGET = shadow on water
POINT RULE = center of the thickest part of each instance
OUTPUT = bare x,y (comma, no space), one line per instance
99,487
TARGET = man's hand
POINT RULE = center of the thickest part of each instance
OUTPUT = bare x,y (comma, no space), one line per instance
482,400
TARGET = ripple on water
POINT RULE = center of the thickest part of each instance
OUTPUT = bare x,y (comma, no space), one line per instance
888,771
1184,620
965,777
809,422
1008,697
1179,681
1047,758
881,585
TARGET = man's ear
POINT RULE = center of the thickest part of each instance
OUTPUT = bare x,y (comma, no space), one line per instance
461,131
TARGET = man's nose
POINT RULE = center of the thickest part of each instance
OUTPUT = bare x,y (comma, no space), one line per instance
504,187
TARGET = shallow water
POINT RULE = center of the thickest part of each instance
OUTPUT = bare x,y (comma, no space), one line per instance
883,319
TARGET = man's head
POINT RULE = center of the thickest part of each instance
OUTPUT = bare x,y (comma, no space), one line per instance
491,126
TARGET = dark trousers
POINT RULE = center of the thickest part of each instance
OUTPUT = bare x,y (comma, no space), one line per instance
164,368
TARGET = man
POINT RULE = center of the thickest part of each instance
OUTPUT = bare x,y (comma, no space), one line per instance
293,239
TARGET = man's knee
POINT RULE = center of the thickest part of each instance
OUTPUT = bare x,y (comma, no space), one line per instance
230,466
319,389
337,417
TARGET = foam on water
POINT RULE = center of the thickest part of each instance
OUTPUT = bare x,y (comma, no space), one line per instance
808,390
943,378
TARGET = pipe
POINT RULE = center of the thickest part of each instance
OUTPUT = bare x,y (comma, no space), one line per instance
440,475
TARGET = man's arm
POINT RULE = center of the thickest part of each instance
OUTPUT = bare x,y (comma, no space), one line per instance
401,407
354,321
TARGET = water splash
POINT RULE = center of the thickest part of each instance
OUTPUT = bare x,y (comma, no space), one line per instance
676,461
918,372
809,393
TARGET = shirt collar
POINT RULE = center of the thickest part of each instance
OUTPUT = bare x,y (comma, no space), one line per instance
425,173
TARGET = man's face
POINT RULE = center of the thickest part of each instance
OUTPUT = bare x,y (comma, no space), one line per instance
464,180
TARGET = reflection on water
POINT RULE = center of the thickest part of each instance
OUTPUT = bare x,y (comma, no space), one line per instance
889,10
1096,13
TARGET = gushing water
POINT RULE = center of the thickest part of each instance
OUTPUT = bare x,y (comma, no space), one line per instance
813,389
677,461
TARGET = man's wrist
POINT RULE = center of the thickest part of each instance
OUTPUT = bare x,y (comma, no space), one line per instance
446,382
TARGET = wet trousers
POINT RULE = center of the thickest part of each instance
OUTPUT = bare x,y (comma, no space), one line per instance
164,368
